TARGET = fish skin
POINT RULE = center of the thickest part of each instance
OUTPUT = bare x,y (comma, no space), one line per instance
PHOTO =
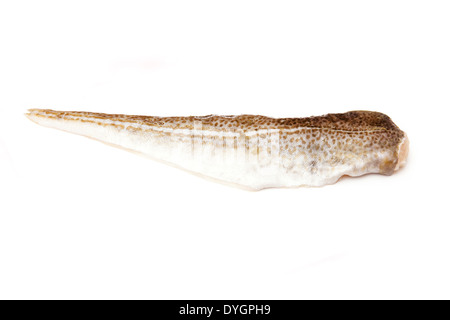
251,151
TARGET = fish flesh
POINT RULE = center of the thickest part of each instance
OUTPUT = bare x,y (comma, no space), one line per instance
251,151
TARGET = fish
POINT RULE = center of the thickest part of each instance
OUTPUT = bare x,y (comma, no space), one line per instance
250,151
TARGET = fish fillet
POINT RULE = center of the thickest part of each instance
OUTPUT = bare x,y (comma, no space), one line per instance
252,151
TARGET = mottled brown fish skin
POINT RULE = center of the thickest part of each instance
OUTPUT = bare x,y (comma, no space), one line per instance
332,145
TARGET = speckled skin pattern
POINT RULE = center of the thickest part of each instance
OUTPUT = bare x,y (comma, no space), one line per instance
252,151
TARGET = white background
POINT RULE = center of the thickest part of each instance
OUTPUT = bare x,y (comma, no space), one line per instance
79,219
